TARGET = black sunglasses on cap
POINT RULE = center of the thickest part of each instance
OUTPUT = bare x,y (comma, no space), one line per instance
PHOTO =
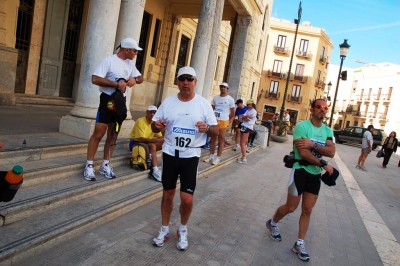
188,78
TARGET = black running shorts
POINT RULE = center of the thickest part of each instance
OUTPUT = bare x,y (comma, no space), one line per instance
304,181
185,167
104,115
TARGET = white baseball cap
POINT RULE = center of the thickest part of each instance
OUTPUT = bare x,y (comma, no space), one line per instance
152,108
224,84
130,44
186,70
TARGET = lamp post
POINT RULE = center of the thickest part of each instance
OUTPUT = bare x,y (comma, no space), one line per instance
297,22
328,98
344,48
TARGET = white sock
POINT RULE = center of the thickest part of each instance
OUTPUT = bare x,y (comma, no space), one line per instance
165,228
105,162
155,168
300,241
212,156
182,227
273,223
89,162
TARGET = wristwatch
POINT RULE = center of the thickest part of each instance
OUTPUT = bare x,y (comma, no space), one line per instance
315,146
323,162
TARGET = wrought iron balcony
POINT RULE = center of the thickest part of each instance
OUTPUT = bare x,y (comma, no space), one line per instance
303,54
282,50
319,84
322,60
272,95
302,79
291,98
271,73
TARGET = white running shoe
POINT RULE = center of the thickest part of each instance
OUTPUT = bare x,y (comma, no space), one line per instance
156,175
163,236
107,171
88,173
209,159
242,160
216,161
182,243
236,147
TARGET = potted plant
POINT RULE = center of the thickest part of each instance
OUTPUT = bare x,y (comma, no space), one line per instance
279,136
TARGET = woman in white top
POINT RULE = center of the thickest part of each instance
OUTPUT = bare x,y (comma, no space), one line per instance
249,119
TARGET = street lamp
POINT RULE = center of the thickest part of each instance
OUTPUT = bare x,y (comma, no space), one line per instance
297,22
328,98
344,48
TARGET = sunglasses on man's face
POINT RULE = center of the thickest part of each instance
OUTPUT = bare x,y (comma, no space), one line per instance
319,106
134,50
188,78
152,112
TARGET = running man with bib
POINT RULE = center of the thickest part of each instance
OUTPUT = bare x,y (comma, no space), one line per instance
187,118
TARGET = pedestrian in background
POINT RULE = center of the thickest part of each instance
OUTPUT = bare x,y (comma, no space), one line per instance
274,119
240,110
249,118
366,147
389,146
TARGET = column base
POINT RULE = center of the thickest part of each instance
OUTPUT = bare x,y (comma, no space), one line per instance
7,99
83,127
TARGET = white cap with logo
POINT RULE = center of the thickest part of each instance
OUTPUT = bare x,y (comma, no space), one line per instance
152,108
130,44
224,84
186,70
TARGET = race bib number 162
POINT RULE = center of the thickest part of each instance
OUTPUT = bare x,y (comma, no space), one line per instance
182,138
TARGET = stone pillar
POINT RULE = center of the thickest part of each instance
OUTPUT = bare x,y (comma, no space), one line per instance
202,42
238,64
213,54
81,121
176,20
129,26
35,46
8,68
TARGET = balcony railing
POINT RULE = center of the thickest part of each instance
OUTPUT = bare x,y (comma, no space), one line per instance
319,84
303,54
271,73
322,60
302,79
282,50
272,95
291,98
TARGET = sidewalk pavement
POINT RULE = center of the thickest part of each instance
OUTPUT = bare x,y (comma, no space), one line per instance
227,226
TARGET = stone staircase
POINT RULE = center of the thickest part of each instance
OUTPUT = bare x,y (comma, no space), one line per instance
41,100
56,203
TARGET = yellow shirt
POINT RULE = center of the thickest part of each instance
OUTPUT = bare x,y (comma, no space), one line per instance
142,129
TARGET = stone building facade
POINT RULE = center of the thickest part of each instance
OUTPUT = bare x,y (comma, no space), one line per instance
63,41
307,78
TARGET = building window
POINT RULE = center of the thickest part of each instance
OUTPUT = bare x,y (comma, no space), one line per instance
281,43
143,40
276,71
269,109
182,53
156,35
217,68
273,89
323,52
296,91
319,76
299,72
259,51
252,90
303,47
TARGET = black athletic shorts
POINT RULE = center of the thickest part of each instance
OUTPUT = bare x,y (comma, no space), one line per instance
104,115
185,167
304,181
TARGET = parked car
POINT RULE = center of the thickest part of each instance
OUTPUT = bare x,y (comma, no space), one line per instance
355,134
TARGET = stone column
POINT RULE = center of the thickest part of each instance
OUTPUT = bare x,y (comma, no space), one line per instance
213,54
202,42
129,26
99,43
238,64
35,46
176,20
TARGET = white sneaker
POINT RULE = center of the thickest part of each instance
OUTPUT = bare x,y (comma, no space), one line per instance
156,175
182,243
209,159
247,150
242,160
163,236
236,147
107,171
88,173
216,161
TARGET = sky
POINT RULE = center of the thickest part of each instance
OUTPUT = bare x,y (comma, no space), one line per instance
372,27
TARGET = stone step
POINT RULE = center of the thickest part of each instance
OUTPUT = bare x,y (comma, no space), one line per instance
75,205
41,100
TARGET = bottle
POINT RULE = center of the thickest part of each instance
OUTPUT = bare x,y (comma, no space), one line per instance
149,162
24,144
15,175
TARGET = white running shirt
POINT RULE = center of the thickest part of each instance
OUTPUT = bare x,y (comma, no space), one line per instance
180,119
223,106
112,68
251,121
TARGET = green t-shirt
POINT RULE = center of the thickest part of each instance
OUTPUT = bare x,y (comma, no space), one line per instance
316,134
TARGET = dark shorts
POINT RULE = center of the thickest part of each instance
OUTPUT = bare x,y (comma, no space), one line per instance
104,115
245,129
303,181
185,167
365,150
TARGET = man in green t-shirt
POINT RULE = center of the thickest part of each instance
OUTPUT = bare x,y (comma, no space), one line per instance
312,140
141,132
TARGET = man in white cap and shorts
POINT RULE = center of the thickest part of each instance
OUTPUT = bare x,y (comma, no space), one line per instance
115,72
224,110
186,118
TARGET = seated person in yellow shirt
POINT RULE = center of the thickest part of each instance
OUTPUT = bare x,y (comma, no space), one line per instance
141,132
